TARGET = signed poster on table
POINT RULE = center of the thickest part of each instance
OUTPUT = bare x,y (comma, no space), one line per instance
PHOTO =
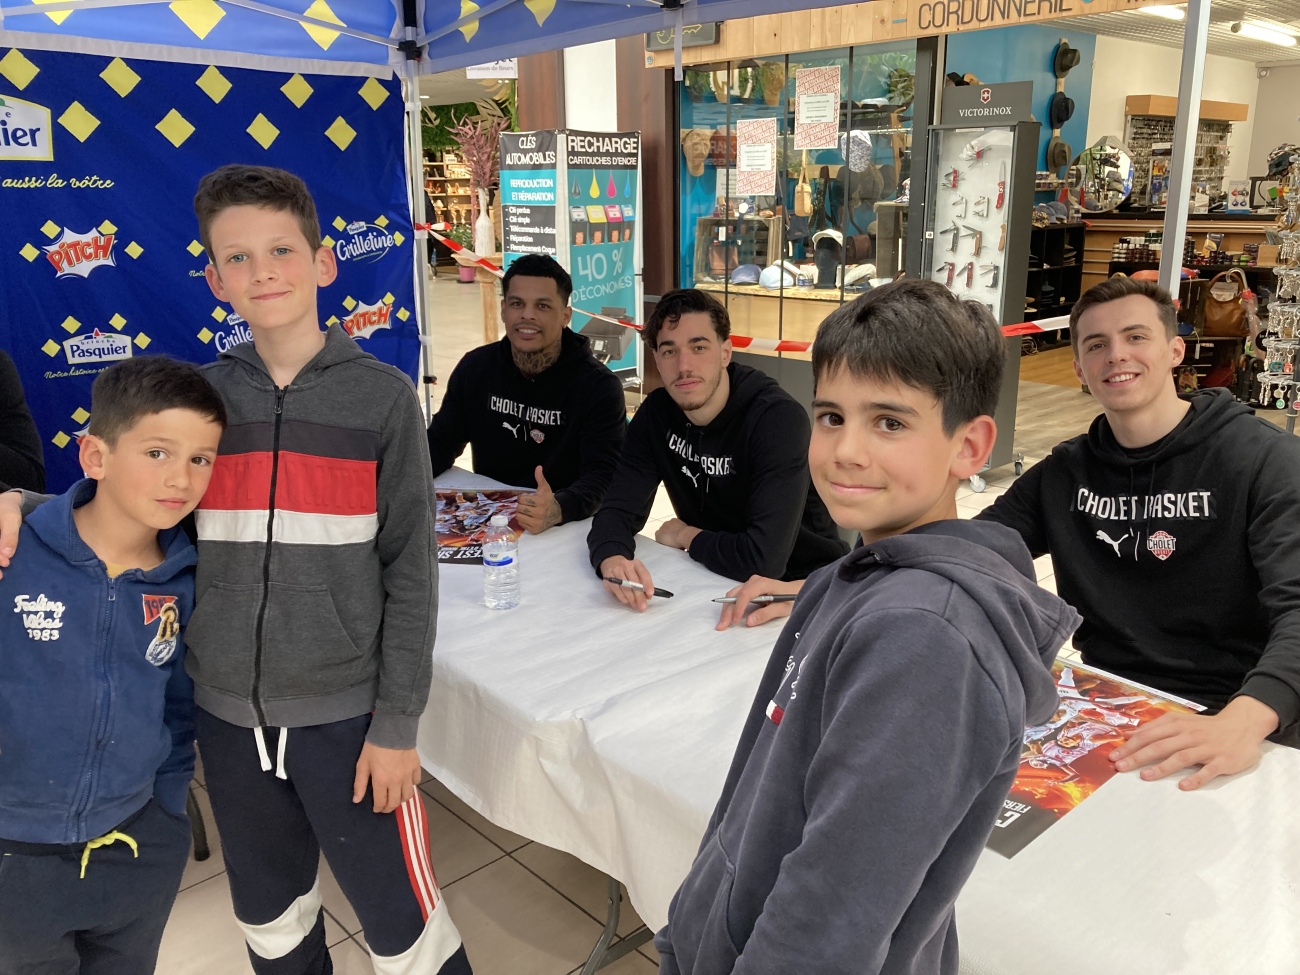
463,518
1065,760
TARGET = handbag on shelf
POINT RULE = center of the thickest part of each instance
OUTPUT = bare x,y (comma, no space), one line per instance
803,200
1224,316
724,257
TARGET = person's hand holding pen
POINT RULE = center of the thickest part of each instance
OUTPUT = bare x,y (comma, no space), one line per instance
633,570
748,592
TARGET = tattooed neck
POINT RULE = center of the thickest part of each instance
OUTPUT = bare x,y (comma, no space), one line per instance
535,363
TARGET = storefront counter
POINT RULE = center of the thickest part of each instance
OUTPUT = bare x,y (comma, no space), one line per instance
792,314
1105,231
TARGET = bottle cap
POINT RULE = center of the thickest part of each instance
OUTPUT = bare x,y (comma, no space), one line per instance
500,521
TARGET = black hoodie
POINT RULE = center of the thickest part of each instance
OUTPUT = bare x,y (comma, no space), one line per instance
743,479
1183,557
875,759
570,419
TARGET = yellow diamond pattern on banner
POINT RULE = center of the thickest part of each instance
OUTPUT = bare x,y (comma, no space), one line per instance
71,325
61,439
332,320
381,221
374,93
195,248
340,133
142,340
108,227
51,347
297,90
200,16
468,31
219,313
117,321
339,223
205,336
120,77
80,415
134,249
174,128
29,252
541,9
349,302
50,229
389,299
262,131
320,10
403,314
59,17
214,84
78,121
17,69
327,241
398,238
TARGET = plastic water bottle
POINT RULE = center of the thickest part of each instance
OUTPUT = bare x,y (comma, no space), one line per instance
500,565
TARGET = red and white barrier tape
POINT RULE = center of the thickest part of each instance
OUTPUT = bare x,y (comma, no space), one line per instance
738,341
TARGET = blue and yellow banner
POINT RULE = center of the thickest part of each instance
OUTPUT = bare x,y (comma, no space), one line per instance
99,252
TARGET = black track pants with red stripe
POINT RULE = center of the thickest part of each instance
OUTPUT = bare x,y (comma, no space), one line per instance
274,829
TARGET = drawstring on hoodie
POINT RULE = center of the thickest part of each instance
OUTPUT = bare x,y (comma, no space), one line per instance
264,756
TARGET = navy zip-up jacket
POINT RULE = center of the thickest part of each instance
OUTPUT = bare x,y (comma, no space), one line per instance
881,745
96,711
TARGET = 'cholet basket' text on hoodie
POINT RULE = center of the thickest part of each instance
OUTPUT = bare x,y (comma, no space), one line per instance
886,732
743,479
317,573
1183,557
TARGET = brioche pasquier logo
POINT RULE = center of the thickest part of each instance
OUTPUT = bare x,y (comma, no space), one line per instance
76,255
365,320
24,131
97,347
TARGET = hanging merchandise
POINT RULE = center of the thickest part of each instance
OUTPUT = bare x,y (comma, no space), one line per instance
1061,107
1224,315
803,197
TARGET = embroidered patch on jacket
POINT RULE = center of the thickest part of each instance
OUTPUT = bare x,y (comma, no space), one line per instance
42,617
165,611
1161,545
775,712
537,435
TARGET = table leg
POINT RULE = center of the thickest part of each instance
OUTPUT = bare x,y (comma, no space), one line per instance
603,954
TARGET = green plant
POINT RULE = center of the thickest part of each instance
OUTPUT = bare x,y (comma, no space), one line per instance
744,82
462,234
696,82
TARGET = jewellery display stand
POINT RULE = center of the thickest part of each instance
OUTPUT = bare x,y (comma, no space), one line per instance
979,206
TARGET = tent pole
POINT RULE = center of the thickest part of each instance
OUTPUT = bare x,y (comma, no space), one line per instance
1184,157
415,185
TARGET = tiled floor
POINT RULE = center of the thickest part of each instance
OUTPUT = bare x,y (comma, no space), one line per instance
522,908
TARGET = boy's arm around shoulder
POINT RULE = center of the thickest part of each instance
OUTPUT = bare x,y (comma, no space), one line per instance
408,556
913,730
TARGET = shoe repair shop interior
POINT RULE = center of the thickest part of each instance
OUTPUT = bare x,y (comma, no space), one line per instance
796,167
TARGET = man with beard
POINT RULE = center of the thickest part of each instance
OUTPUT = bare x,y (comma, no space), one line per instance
730,446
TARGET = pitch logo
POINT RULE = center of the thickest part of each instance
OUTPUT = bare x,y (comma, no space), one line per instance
168,614
365,320
25,131
76,255
96,347
1161,545
365,243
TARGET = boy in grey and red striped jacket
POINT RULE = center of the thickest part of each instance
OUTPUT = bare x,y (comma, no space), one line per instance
316,604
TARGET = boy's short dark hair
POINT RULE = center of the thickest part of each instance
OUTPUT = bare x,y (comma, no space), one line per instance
1113,289
920,334
143,385
683,301
256,186
539,266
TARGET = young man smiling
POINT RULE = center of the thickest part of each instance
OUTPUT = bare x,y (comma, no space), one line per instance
730,446
536,407
1174,528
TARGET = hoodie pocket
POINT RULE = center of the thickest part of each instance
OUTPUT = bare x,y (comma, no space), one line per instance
701,932
221,638
306,650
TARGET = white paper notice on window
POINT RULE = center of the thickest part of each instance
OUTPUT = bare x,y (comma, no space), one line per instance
756,157
819,109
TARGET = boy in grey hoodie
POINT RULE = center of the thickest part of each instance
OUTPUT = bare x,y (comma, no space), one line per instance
887,728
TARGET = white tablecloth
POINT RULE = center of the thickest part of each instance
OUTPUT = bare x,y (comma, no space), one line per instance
582,725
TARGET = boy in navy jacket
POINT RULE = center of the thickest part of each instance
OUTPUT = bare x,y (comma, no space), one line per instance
887,728
96,711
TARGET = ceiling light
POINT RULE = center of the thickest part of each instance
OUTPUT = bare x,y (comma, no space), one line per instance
424,98
1267,34
1168,13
